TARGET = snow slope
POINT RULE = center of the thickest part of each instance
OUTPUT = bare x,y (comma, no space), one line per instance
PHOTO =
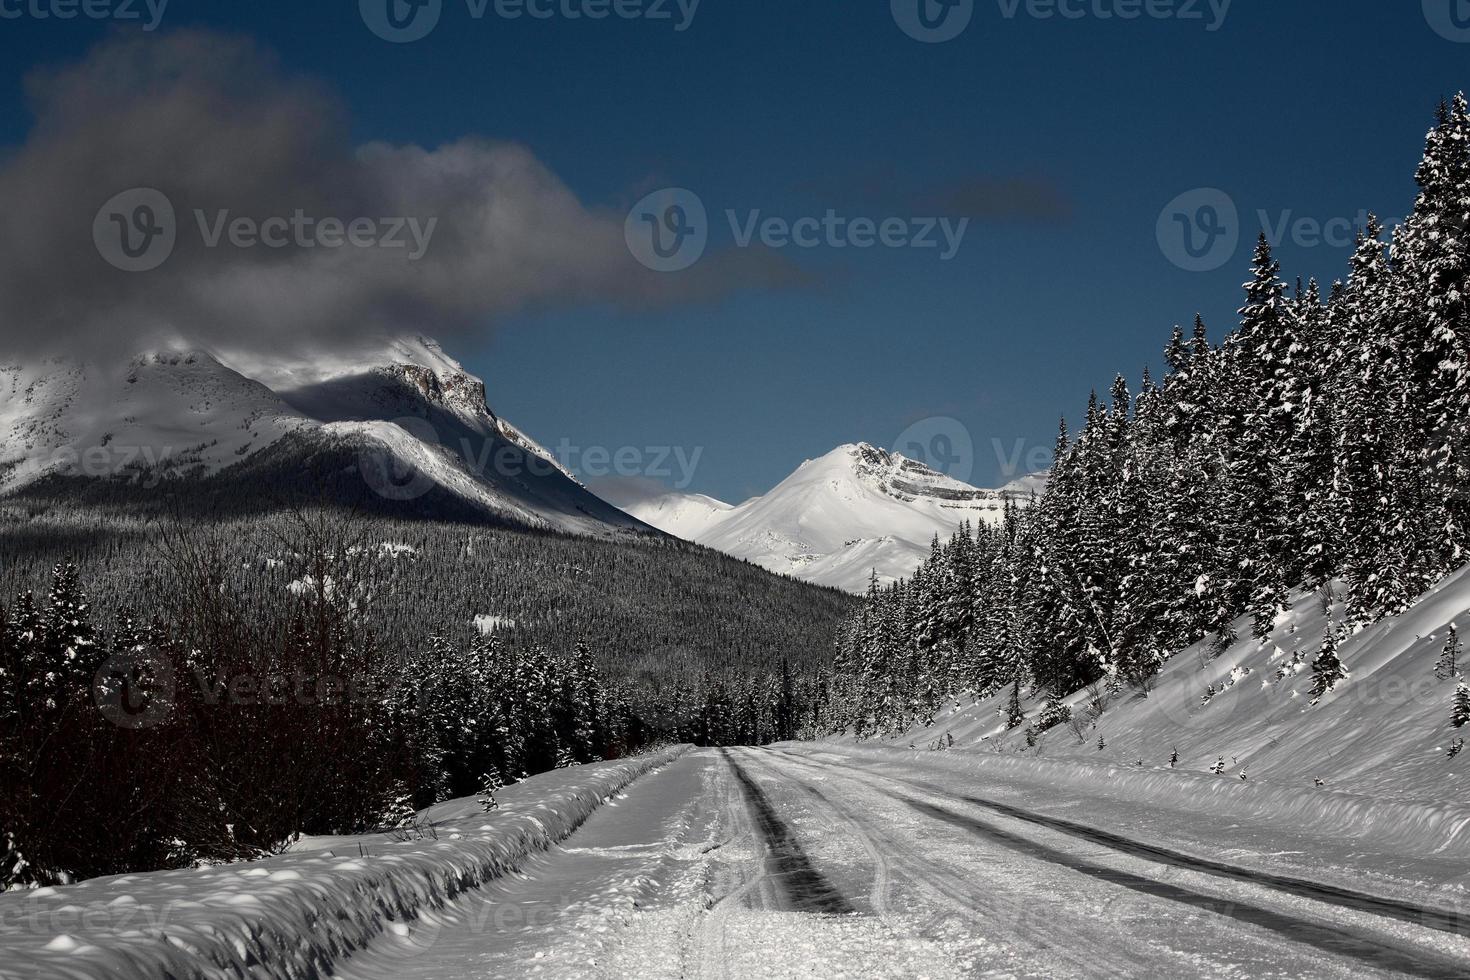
837,519
411,415
302,913
684,515
1384,734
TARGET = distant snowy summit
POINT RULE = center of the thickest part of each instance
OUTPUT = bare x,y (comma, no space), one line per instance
837,519
398,426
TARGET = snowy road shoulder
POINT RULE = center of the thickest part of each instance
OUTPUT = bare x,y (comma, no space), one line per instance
301,913
1415,853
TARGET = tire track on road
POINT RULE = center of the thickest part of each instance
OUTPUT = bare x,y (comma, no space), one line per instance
1443,920
952,892
805,888
1414,961
1329,939
882,866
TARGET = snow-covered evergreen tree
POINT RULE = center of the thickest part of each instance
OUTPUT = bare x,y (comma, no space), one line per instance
490,785
1327,668
1449,658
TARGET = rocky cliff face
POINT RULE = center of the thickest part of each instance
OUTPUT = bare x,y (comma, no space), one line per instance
408,416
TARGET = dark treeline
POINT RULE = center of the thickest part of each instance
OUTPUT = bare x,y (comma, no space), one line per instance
225,689
1324,439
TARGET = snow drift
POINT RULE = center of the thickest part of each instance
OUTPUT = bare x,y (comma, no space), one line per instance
303,912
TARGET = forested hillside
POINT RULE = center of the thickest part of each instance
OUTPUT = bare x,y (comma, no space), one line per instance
1323,439
220,687
652,609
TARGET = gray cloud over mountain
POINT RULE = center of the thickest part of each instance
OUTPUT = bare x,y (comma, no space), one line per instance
216,126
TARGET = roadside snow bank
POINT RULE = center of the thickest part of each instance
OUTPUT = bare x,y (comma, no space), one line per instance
299,914
1418,827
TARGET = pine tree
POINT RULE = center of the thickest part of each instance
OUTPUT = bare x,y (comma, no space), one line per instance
1325,439
1448,665
1431,311
399,812
1015,714
15,871
490,784
1327,669
1460,716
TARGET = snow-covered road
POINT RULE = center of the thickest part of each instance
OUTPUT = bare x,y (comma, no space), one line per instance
820,862
807,860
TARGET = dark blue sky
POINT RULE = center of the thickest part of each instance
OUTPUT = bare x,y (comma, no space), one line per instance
1072,134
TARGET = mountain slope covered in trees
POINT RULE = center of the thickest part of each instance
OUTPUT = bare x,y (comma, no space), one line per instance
222,688
1324,439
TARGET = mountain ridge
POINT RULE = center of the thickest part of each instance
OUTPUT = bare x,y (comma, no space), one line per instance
834,521
414,424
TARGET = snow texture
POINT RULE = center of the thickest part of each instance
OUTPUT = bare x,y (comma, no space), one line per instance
302,913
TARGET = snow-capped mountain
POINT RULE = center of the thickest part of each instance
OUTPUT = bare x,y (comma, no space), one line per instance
833,522
406,416
684,515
